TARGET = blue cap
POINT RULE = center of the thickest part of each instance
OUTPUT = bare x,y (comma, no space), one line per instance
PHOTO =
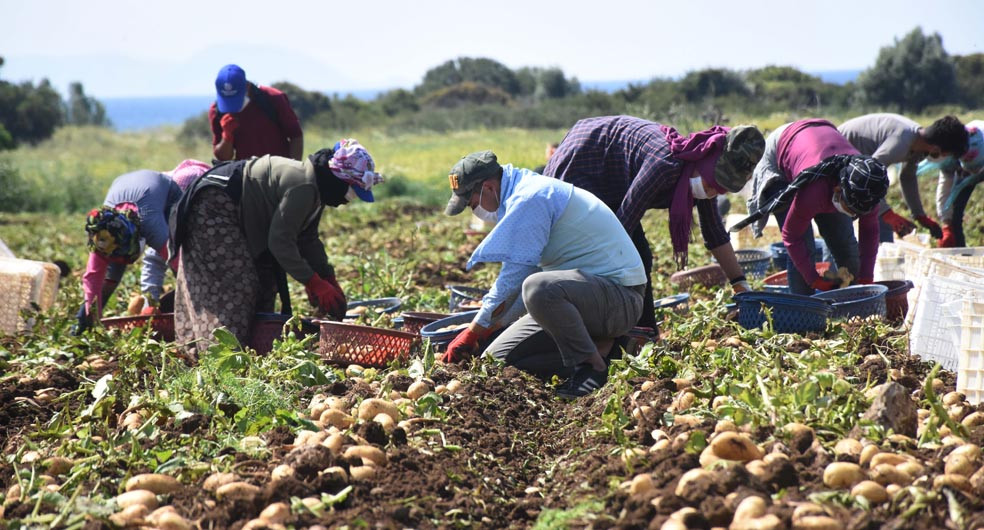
365,195
230,88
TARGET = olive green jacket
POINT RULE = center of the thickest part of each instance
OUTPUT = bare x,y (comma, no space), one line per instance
281,210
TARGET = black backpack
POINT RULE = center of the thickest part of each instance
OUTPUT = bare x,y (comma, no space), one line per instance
261,98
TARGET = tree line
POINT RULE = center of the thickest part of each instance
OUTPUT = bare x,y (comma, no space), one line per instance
912,74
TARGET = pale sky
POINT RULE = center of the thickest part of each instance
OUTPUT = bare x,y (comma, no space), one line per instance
174,47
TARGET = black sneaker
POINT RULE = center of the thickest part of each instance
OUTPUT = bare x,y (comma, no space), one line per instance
584,381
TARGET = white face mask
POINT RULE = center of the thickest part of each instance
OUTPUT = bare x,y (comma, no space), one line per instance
245,102
836,199
350,195
482,213
698,190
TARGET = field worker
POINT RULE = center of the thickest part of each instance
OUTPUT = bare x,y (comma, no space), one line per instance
547,153
892,139
957,180
634,165
134,214
250,120
810,172
566,261
242,214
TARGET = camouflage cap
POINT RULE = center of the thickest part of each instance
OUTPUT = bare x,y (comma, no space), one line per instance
743,149
468,173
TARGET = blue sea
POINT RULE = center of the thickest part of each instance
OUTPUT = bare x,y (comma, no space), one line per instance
134,114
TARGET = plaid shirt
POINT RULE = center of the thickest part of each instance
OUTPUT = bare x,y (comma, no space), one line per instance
626,163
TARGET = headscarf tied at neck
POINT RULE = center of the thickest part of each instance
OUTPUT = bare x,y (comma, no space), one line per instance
700,152
114,232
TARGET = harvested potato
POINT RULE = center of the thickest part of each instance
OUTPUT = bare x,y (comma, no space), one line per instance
871,490
132,515
959,482
817,522
216,480
453,327
751,507
867,453
735,446
642,483
172,521
766,522
891,459
336,418
58,465
453,386
842,475
142,497
334,443
695,481
960,464
281,472
238,491
886,474
362,472
369,408
158,483
386,421
366,452
276,513
848,446
358,310
418,390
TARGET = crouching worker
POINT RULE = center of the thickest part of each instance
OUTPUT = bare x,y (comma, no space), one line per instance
134,214
810,172
565,258
244,221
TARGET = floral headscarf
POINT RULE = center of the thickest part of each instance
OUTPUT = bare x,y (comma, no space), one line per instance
114,232
352,164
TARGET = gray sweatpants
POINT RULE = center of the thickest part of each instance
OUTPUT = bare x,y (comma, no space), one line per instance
567,312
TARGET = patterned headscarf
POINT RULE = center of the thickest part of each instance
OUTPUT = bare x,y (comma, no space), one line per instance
864,183
973,160
352,164
114,232
187,171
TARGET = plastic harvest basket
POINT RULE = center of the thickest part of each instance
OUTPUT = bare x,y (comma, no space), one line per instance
856,301
440,339
378,305
791,313
780,278
754,261
162,325
679,303
465,298
268,327
363,345
413,321
896,299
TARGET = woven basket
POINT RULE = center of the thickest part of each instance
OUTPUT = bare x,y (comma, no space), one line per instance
754,261
162,325
373,307
708,276
363,345
464,298
896,299
441,339
856,301
791,313
413,321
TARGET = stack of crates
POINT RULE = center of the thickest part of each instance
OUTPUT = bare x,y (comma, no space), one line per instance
25,286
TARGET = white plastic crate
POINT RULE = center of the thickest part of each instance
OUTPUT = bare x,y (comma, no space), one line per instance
24,284
970,351
959,264
931,338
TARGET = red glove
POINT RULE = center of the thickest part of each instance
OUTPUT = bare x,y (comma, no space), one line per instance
949,239
462,347
934,227
900,225
821,284
150,310
327,296
229,124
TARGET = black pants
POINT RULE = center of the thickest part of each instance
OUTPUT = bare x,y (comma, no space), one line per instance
956,223
648,318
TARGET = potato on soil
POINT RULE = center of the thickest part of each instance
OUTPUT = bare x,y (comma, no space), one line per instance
369,408
642,483
417,390
362,472
842,475
238,491
132,515
751,507
817,522
156,482
694,483
336,418
58,465
959,482
276,513
735,446
871,490
886,474
848,446
215,480
366,452
766,522
281,472
142,497
172,521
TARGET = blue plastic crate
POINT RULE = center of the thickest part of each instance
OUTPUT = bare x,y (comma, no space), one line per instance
779,256
463,294
856,301
791,313
440,339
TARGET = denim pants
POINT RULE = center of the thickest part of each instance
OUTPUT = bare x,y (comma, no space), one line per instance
567,312
837,231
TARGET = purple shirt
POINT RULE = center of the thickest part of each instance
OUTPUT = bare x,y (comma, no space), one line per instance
801,146
626,162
